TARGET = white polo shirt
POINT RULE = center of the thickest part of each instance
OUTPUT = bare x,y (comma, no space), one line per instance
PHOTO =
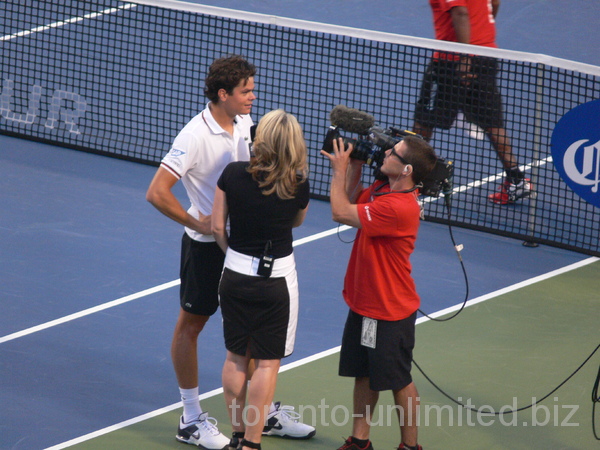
199,154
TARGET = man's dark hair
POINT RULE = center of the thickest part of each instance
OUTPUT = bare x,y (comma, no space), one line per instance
421,157
226,73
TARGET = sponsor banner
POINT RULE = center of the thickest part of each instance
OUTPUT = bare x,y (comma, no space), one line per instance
576,150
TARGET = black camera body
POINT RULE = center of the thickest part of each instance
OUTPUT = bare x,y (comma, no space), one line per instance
367,150
371,149
439,179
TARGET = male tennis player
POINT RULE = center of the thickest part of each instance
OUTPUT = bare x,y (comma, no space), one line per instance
220,134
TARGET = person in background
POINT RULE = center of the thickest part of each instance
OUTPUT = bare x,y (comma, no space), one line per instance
379,334
262,200
467,83
216,136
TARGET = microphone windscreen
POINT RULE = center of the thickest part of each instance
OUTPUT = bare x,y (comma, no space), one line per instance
350,119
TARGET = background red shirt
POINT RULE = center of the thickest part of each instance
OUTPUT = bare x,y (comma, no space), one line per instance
483,25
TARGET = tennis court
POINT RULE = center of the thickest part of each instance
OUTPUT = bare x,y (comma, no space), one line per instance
89,280
109,367
506,370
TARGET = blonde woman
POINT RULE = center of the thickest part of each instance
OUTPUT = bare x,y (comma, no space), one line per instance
262,200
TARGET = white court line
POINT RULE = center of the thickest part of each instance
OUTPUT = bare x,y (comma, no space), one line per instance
62,23
329,352
490,179
173,283
137,295
131,297
87,312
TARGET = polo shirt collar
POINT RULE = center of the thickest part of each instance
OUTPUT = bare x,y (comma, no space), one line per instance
211,122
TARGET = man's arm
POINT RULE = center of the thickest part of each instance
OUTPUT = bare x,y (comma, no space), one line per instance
495,7
462,28
461,24
161,196
353,179
342,210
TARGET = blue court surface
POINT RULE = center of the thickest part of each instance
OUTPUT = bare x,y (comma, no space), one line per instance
89,291
89,269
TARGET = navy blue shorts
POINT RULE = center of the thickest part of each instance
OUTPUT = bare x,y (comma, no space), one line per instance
444,93
387,365
200,272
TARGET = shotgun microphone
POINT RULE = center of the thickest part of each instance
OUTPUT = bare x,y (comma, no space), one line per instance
351,120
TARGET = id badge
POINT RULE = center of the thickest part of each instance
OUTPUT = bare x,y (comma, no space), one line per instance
369,332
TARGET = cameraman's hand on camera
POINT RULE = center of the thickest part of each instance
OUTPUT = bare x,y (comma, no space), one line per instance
340,157
345,183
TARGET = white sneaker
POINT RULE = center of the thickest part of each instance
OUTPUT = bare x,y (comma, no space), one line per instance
283,422
202,432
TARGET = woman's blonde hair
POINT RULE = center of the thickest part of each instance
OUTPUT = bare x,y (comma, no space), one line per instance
280,161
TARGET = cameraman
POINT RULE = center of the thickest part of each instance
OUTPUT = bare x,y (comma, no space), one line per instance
379,332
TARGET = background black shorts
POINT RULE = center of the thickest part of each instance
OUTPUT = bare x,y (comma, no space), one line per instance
388,365
444,93
200,272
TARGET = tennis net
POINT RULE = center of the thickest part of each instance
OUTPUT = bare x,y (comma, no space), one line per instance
121,79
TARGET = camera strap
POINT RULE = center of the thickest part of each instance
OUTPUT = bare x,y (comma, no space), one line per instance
405,191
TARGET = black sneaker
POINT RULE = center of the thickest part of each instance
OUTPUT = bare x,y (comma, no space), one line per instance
349,445
404,447
236,438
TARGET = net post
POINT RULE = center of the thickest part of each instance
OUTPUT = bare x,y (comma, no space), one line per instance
535,163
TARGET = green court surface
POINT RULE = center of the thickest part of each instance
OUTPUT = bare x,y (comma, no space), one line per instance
503,353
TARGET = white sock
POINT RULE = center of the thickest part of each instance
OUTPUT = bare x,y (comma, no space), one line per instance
191,404
272,409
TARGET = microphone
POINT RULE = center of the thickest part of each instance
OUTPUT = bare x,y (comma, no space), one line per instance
351,119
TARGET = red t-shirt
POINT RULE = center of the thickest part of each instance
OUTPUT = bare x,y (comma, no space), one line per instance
481,18
378,281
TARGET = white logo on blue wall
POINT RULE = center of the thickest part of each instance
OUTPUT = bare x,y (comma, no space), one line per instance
576,150
65,106
588,174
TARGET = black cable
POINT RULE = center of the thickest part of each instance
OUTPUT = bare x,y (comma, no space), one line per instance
595,400
595,390
477,410
462,265
340,236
